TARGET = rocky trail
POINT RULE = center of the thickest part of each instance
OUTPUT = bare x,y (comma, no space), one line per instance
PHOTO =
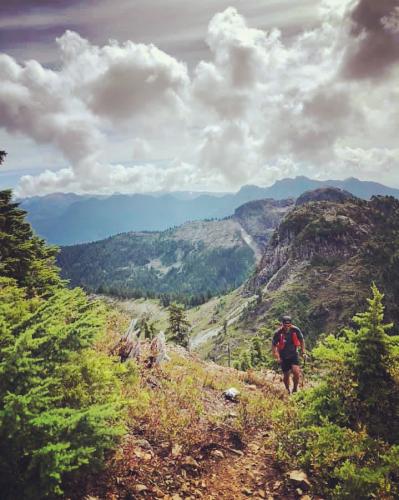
252,474
225,452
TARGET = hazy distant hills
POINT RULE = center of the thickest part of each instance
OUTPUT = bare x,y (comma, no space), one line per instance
68,218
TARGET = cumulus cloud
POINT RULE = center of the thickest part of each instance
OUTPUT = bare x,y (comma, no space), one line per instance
135,79
375,48
260,108
229,152
71,108
368,161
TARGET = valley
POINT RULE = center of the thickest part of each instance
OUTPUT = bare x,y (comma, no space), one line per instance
189,263
316,266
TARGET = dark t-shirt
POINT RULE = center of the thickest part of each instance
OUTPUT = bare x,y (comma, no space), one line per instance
290,349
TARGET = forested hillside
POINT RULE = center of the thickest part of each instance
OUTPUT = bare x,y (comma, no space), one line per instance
189,263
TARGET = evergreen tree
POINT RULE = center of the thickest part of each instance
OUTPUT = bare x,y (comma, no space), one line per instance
359,387
3,154
24,256
164,299
60,400
147,327
178,325
245,361
376,388
346,429
256,353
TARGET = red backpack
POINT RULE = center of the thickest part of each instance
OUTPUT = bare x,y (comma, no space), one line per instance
282,339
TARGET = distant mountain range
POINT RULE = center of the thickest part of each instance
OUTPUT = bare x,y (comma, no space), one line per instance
66,219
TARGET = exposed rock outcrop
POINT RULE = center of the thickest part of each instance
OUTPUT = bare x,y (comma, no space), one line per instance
261,217
322,230
325,194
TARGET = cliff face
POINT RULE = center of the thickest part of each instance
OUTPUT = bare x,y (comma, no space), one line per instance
316,231
321,261
261,217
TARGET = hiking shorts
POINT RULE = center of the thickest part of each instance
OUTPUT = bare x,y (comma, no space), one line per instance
286,364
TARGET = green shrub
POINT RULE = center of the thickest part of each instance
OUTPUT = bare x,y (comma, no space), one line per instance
344,464
344,431
61,404
364,360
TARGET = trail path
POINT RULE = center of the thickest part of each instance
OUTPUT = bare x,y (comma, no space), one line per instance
224,464
251,475
227,475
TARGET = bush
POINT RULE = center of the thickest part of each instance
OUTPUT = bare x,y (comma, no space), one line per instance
344,431
366,389
61,404
344,464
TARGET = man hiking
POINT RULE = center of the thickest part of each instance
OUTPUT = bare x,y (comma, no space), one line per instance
285,343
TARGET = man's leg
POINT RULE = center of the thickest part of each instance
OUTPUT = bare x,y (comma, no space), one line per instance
296,371
287,380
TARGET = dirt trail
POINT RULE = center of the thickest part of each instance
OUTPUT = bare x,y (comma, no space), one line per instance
223,463
250,475
224,475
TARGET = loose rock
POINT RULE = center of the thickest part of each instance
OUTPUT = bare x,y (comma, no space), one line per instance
143,443
138,488
231,394
237,452
299,479
190,462
217,454
176,450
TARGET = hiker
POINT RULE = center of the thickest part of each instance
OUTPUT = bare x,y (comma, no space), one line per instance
285,343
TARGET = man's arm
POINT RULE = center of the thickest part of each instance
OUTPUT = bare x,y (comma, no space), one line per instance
301,341
276,354
275,351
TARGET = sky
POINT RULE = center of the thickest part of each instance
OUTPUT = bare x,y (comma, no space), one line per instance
103,96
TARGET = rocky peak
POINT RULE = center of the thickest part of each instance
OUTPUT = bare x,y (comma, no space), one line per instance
318,230
325,194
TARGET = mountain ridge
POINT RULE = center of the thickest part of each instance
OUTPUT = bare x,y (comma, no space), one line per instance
91,217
